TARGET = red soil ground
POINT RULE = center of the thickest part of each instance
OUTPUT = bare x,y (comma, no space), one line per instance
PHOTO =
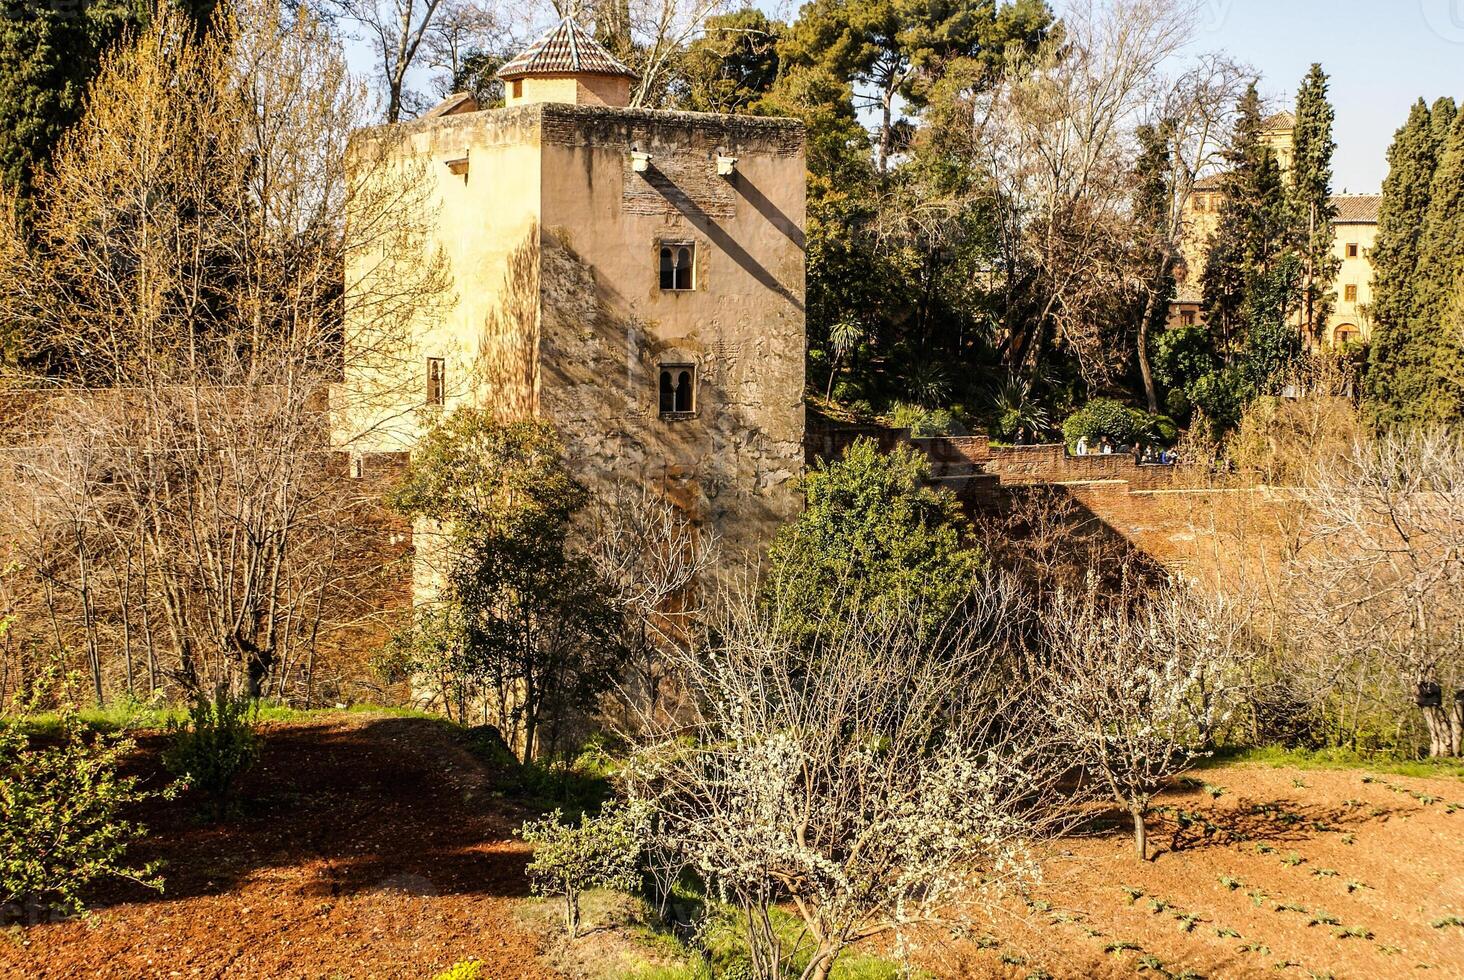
367,847
379,847
1288,851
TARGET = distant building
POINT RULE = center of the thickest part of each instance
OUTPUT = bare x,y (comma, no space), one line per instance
635,276
1356,228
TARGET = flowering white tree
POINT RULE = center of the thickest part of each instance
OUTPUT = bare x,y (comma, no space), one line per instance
871,777
1137,690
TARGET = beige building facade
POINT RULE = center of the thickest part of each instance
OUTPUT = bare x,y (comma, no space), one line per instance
634,276
1356,227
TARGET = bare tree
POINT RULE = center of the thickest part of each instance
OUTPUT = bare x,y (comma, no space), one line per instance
1056,137
1379,579
187,278
396,30
1136,690
656,563
461,30
871,779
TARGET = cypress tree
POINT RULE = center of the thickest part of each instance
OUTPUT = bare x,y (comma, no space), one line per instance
1249,277
1310,201
1393,369
1438,317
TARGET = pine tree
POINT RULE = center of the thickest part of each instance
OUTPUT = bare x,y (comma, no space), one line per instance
1310,201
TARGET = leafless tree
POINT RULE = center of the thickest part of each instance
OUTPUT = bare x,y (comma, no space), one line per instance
657,564
463,28
871,779
192,247
1379,580
1136,689
396,31
1056,137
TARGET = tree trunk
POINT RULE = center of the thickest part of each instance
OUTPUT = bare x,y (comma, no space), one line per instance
821,965
1150,392
1141,834
571,912
1445,729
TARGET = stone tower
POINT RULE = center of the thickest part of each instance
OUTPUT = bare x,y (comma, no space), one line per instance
635,276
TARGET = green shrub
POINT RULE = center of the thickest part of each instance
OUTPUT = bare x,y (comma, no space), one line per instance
1162,428
599,852
1105,417
213,747
1182,356
1222,395
61,823
922,422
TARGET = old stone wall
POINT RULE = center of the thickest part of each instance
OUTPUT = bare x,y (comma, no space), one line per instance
608,326
1231,537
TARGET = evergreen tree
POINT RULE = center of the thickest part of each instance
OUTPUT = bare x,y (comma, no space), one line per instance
1249,273
1393,370
1416,366
1438,315
48,55
1310,199
1153,192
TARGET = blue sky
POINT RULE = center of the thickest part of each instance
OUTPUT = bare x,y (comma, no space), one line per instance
1381,56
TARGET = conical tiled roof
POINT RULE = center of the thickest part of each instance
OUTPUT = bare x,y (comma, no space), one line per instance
566,50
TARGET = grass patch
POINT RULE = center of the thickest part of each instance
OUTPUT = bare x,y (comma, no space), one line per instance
1279,757
125,715
721,950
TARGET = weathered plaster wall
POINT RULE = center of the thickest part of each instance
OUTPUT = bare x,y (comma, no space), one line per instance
485,224
607,325
602,90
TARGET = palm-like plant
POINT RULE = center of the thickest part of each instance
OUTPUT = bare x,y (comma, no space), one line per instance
1017,407
844,336
929,384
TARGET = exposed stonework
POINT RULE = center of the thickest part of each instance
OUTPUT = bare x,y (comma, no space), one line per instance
553,238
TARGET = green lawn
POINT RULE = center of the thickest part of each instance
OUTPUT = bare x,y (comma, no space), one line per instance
1279,757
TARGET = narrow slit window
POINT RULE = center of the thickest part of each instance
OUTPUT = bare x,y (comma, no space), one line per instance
677,264
436,381
677,389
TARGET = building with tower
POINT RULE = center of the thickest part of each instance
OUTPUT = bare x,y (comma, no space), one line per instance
634,276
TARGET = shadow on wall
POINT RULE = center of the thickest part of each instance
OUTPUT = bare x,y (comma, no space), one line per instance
707,225
507,347
599,386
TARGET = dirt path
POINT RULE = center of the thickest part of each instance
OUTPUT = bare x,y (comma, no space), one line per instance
368,847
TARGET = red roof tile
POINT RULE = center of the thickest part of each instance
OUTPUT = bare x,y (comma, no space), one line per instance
568,49
1357,209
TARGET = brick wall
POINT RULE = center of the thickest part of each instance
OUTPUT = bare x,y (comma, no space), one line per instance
1223,535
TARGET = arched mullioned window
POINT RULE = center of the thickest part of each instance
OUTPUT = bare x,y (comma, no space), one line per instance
678,260
677,389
